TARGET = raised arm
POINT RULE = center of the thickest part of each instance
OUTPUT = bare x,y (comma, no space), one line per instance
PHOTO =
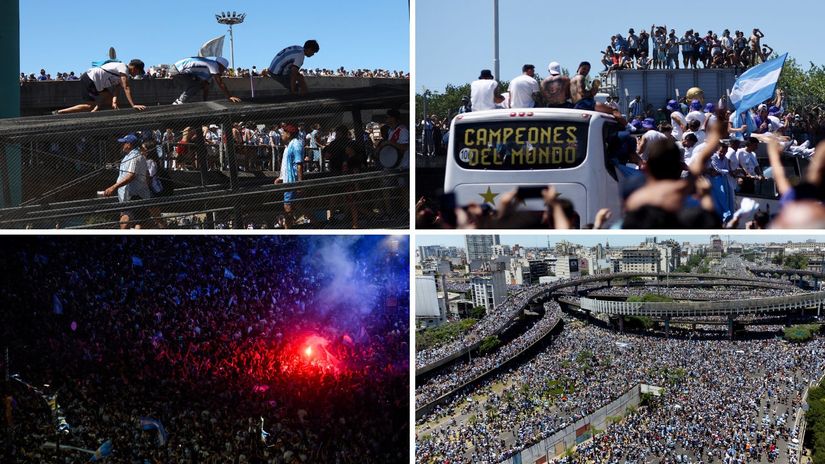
775,158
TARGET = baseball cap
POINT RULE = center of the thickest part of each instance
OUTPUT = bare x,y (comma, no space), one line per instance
649,123
709,108
486,74
695,105
129,138
290,128
673,105
554,68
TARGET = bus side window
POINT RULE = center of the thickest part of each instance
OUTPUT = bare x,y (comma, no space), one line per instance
615,148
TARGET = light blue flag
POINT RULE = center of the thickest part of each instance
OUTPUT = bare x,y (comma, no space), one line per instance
757,84
147,423
103,452
228,274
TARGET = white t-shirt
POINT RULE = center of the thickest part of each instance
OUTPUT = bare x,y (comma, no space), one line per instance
482,94
108,75
774,123
695,150
651,137
747,161
677,117
732,158
697,115
521,91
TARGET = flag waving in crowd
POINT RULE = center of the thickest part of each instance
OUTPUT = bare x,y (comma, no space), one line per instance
754,86
147,423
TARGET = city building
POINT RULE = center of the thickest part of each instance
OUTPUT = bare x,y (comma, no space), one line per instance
567,266
429,312
641,259
489,291
480,247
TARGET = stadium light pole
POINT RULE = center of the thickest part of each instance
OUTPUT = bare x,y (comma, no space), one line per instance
231,19
495,40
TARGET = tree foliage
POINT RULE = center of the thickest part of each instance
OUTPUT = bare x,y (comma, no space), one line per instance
442,334
796,261
489,344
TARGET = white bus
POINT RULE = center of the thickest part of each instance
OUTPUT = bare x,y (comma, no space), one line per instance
493,152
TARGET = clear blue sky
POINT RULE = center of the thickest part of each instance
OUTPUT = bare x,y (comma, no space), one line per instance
454,38
615,240
61,35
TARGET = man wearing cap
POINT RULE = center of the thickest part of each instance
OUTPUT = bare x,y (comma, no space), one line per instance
696,112
523,87
99,84
133,179
291,168
677,120
286,66
583,98
195,73
555,88
465,105
484,92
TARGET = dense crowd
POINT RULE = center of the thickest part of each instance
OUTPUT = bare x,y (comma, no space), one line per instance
492,322
660,49
460,373
162,72
729,401
209,335
695,293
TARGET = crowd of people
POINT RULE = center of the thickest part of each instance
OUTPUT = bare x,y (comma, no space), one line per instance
696,293
660,49
728,401
162,72
492,322
460,373
269,349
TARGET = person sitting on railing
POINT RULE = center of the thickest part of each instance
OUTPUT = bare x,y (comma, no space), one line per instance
196,73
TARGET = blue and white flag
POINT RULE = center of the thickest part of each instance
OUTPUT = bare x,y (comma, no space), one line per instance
57,305
103,452
757,84
213,47
147,423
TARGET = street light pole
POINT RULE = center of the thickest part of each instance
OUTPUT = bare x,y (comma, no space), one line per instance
230,20
495,39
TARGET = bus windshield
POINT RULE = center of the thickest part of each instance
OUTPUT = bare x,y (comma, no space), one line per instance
520,145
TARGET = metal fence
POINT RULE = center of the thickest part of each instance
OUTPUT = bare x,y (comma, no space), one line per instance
217,164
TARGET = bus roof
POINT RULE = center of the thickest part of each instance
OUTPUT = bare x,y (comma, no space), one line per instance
507,113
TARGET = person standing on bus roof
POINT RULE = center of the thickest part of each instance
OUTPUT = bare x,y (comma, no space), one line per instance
484,92
555,88
523,88
583,98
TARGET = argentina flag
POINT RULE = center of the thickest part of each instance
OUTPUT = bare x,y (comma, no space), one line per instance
147,423
757,84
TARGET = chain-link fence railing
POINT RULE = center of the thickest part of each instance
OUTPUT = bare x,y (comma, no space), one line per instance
211,165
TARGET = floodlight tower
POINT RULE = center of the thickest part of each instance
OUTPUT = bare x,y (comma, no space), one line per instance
230,19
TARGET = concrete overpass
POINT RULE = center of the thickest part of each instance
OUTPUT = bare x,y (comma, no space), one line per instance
41,97
548,290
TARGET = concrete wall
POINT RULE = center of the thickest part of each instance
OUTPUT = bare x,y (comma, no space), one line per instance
37,98
557,443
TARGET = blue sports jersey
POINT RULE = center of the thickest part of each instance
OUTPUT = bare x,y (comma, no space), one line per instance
285,59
